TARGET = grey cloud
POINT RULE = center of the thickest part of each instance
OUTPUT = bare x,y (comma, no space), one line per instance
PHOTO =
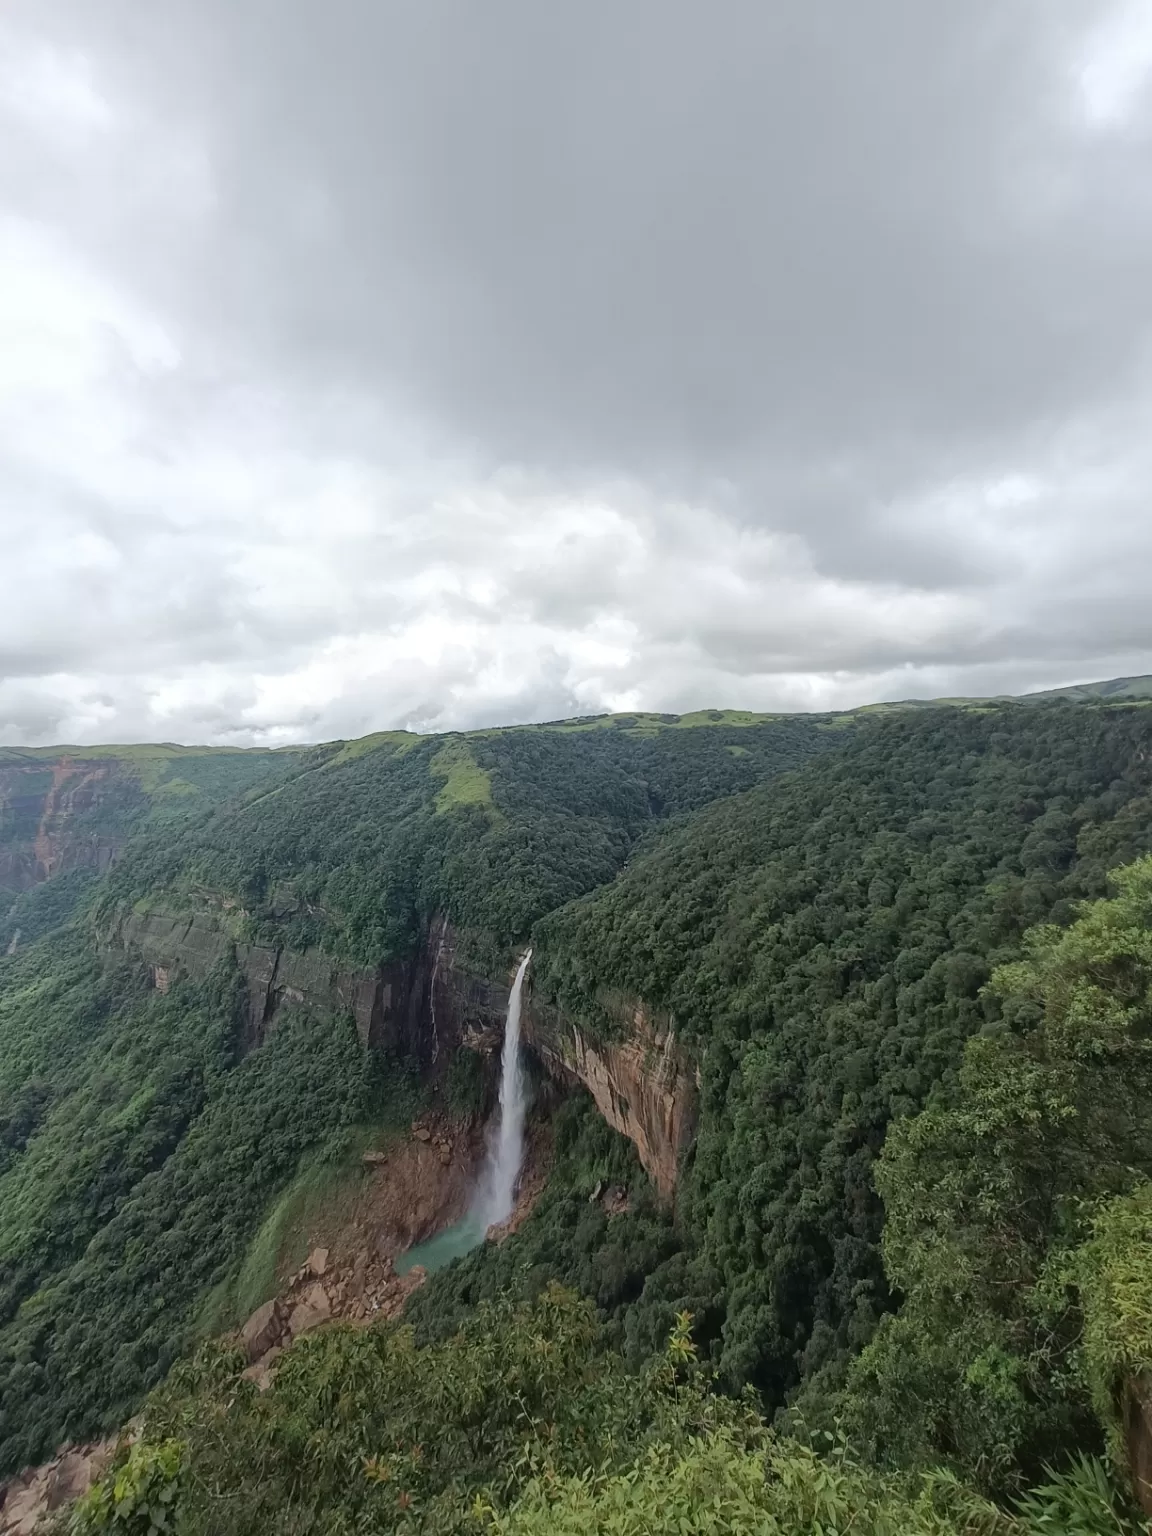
733,270
666,235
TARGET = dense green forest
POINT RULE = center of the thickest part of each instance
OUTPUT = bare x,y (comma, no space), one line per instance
523,1423
45,907
84,803
910,956
1017,1216
137,1155
132,787
139,1147
495,828
824,945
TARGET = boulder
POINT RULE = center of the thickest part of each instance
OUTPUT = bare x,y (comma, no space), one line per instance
421,1133
72,1475
318,1262
314,1308
374,1159
262,1372
263,1330
23,1508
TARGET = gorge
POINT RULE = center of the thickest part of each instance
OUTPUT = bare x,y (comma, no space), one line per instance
494,1196
774,964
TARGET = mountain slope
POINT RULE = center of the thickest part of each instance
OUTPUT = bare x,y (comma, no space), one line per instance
813,905
494,828
820,945
1115,689
68,811
142,1136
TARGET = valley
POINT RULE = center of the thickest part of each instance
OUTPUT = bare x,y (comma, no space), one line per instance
803,1089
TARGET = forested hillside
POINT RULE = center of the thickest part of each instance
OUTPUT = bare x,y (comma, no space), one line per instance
66,812
824,945
140,1145
526,1422
138,1152
494,828
1018,1221
908,957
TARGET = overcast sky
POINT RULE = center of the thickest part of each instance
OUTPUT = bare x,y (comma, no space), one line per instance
457,362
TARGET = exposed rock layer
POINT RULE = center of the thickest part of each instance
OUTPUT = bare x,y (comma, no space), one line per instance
435,1004
385,1001
48,809
641,1082
1136,1405
40,1492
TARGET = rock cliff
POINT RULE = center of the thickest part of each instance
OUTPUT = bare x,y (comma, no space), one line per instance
66,808
642,1083
434,1004
50,814
386,1001
426,1006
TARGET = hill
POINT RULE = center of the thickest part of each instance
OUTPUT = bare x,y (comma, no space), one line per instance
142,1136
68,811
820,946
1116,689
795,948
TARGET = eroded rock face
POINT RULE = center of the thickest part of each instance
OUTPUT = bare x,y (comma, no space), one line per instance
387,1002
1136,1404
263,1330
27,1500
313,1308
642,1083
48,806
434,1005
427,1006
409,1193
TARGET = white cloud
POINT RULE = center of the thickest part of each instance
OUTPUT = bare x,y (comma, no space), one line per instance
1117,64
51,89
238,504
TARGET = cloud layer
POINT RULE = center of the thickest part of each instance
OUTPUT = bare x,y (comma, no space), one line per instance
367,363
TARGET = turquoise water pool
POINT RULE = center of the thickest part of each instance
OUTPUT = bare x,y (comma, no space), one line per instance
440,1250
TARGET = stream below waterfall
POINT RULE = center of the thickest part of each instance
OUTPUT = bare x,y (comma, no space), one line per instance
439,1251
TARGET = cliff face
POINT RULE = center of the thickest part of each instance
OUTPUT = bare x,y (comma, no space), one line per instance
50,812
426,1006
64,809
642,1083
433,1005
386,1001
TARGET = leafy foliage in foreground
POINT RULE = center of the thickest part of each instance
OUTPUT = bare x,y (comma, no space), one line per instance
522,1422
1018,1216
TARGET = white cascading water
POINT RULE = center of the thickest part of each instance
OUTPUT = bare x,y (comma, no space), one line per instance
507,1150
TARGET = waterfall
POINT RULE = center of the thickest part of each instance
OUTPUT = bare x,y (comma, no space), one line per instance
507,1150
